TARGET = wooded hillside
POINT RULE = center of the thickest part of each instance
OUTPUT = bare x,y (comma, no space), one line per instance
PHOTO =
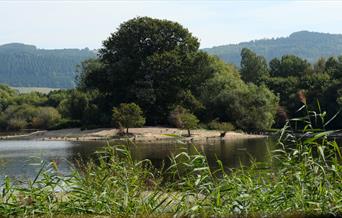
307,45
25,65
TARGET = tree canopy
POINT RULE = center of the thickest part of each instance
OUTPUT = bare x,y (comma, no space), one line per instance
128,116
151,62
158,67
253,68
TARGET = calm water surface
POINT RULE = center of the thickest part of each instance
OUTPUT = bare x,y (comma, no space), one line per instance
22,159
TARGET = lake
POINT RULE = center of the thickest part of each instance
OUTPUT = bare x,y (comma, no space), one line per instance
21,159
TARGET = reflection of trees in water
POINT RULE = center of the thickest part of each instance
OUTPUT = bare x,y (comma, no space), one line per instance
83,151
243,151
158,154
232,153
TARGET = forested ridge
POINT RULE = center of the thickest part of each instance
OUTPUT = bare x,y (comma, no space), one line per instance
26,66
304,44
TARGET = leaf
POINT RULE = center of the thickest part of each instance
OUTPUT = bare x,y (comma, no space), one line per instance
332,118
318,136
321,151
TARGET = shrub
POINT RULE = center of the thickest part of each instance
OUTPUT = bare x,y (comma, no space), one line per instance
17,117
182,118
16,124
174,117
3,122
66,123
46,117
128,115
224,127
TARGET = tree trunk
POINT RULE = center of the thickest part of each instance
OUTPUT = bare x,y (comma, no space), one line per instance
189,134
126,130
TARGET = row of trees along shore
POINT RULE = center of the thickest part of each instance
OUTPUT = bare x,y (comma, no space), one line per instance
154,70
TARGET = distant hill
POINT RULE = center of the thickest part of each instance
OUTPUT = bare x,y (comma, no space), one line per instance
26,66
305,44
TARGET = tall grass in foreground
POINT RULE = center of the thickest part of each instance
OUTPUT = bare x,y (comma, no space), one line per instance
303,177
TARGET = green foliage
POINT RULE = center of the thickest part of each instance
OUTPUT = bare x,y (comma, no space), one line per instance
154,63
229,99
174,116
189,121
16,123
289,65
32,98
285,87
6,96
224,127
66,123
78,105
45,118
128,115
26,66
74,105
319,82
89,74
17,117
56,97
157,65
183,118
226,79
333,66
37,110
251,109
253,68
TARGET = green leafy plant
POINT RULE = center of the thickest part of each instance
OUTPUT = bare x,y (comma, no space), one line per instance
184,119
128,115
224,127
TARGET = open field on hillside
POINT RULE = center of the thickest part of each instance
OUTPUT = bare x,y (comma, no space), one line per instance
44,90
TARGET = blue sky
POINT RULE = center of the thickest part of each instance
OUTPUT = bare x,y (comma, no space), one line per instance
80,24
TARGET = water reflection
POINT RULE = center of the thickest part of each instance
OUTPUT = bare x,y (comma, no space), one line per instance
232,153
21,159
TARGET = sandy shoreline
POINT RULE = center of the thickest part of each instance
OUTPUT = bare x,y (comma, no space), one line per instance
149,134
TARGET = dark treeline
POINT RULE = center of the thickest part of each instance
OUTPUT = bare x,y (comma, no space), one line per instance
157,65
25,65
